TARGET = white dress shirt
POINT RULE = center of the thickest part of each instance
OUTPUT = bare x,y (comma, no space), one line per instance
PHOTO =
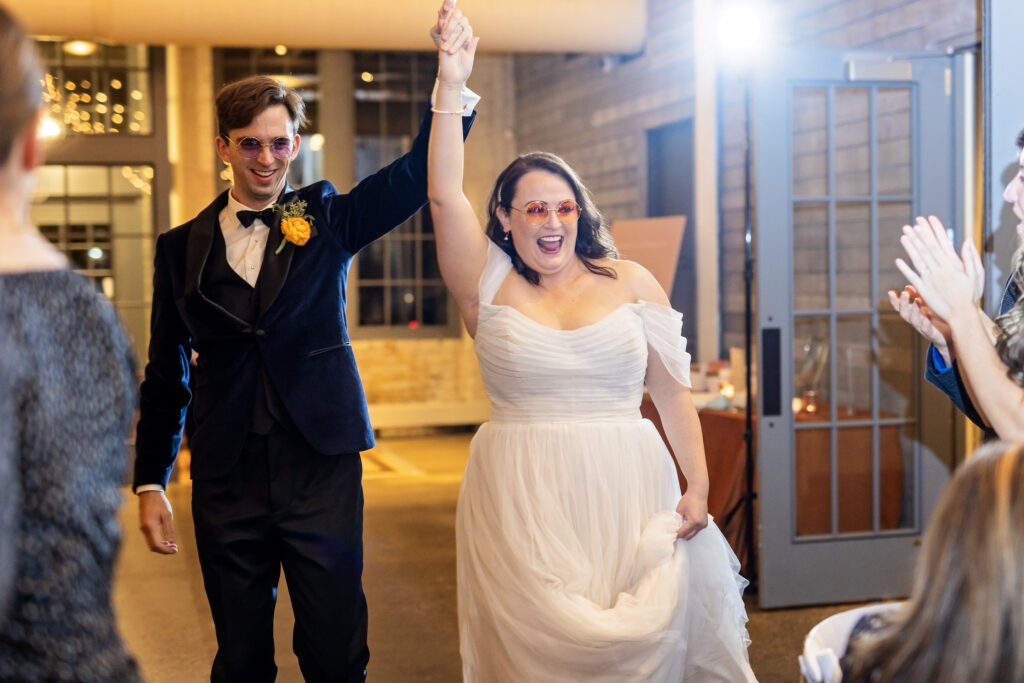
244,246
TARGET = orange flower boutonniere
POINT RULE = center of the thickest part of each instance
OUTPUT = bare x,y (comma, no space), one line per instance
296,226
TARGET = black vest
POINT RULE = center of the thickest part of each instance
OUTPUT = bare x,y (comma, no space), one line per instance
226,287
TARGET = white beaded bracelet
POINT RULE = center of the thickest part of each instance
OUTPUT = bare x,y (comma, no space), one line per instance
442,111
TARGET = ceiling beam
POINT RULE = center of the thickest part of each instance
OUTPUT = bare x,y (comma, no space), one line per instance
595,26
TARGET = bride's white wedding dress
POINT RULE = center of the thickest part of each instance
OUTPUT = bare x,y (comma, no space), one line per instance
568,565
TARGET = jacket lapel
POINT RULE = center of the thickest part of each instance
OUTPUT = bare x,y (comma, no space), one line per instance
197,252
200,240
274,270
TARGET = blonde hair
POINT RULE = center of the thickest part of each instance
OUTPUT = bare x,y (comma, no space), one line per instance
21,75
965,617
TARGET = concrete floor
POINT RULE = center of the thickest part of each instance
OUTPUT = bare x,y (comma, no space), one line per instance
411,485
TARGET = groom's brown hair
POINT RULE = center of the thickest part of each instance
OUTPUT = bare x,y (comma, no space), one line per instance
240,102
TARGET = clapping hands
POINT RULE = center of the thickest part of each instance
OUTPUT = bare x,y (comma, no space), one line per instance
948,281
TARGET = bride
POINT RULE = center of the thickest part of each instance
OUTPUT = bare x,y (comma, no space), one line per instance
578,559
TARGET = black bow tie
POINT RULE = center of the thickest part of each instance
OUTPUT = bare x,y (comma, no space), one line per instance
247,217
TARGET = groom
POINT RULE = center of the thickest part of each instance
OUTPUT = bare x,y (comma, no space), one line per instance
255,284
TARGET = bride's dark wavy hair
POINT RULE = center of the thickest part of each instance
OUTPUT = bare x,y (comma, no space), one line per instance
593,238
1010,343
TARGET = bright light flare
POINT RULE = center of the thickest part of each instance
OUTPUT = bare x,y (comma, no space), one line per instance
49,128
744,29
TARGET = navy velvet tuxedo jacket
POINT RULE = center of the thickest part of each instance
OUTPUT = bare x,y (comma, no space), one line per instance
300,338
949,381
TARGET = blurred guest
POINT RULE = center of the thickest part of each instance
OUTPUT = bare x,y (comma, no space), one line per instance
965,616
73,399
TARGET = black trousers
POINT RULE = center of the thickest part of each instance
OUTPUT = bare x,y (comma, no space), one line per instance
284,506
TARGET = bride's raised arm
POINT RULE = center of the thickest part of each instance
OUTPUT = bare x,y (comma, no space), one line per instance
461,243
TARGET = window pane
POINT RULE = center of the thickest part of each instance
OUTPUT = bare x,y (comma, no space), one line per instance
435,305
899,353
853,367
853,262
402,259
810,257
49,181
371,306
813,480
428,252
854,462
894,141
892,216
85,213
371,261
50,232
811,368
87,181
403,305
853,150
810,142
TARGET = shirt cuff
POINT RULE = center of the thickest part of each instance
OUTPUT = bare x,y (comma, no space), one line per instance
469,99
937,361
148,487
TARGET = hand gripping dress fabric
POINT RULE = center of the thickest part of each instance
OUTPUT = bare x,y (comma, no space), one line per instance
568,564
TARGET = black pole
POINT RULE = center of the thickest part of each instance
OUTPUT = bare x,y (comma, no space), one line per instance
748,277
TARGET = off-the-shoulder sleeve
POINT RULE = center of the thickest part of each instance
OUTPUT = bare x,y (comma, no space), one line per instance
498,266
664,328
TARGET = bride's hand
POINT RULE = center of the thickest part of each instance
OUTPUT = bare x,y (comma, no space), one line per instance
693,508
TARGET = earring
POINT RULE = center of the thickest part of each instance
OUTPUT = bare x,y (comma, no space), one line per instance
506,238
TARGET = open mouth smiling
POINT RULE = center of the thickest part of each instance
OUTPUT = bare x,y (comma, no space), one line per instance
550,244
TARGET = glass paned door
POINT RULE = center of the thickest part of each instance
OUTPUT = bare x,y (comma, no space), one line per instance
846,473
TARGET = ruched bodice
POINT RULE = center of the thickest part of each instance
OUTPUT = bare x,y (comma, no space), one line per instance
535,373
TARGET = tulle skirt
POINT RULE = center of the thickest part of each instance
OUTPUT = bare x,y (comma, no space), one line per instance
569,569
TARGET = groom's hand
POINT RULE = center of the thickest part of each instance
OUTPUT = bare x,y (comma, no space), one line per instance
157,522
447,7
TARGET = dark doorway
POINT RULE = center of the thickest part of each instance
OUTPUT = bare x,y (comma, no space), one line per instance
670,193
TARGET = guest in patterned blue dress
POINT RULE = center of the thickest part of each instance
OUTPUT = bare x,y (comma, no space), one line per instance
72,399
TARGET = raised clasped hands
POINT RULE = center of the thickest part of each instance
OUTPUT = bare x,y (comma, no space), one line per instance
693,509
456,44
950,283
